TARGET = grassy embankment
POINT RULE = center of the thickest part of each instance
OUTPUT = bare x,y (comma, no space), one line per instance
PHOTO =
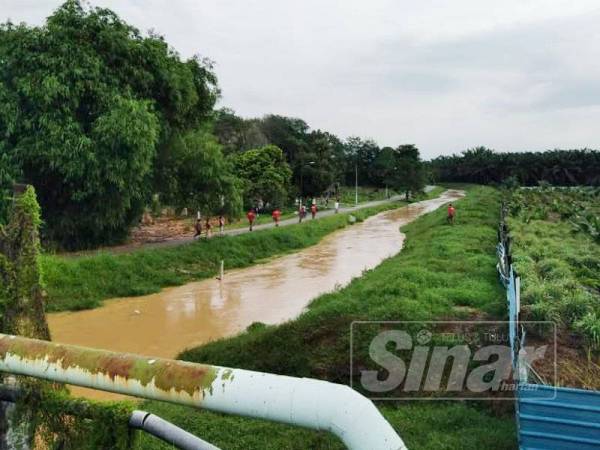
556,251
443,272
83,282
365,194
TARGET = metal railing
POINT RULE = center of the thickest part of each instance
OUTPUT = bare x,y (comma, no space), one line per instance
310,403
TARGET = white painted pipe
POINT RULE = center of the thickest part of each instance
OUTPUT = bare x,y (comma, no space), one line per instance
306,402
167,432
310,403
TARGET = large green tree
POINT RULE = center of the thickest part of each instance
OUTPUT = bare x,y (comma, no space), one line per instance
89,109
197,176
360,157
265,175
409,172
383,167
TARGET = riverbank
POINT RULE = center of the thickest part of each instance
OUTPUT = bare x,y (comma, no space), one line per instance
84,282
271,292
443,272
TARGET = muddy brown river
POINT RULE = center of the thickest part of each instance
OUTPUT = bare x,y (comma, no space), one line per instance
177,318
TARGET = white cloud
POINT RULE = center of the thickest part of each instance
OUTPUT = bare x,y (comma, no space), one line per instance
513,75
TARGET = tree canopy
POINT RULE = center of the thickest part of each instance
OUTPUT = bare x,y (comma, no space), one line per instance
264,174
87,107
483,165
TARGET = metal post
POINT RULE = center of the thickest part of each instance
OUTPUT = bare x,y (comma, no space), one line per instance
167,432
356,183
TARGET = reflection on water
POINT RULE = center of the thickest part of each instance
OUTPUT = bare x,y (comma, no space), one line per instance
164,324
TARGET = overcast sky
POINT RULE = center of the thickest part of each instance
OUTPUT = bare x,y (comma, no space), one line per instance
444,75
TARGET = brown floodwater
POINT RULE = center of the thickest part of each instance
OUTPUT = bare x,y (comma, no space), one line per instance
279,289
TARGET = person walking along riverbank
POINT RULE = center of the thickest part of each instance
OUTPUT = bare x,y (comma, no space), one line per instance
198,228
251,216
221,224
276,216
451,214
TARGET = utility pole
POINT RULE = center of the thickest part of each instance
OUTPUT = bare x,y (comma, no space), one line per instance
356,183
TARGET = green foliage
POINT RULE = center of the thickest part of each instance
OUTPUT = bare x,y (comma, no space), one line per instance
559,268
64,422
197,176
424,426
87,105
360,155
589,327
264,174
580,206
320,161
7,175
484,166
408,174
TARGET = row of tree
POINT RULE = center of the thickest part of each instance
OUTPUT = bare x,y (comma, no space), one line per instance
101,119
319,160
484,166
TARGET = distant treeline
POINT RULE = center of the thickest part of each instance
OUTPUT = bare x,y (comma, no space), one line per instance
484,166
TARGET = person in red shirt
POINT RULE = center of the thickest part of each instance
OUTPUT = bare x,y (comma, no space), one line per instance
276,216
221,224
451,214
313,210
251,216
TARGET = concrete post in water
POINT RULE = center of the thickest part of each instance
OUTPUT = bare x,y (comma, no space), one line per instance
315,404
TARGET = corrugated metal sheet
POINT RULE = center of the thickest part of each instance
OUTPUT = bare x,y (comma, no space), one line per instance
558,418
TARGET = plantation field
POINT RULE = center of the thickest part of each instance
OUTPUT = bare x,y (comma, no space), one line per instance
443,272
556,251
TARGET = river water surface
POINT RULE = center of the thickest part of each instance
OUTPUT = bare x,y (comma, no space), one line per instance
174,319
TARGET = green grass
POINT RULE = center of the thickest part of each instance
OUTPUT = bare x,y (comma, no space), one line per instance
425,426
442,267
365,194
83,282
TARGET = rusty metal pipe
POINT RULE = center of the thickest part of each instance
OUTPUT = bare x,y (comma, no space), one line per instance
298,401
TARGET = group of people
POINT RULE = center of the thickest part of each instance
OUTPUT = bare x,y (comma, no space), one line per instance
252,215
208,227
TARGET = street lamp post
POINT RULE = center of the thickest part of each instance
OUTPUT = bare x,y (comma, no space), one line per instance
356,183
310,163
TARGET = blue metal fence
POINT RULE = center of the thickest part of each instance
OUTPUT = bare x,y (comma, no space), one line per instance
548,417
